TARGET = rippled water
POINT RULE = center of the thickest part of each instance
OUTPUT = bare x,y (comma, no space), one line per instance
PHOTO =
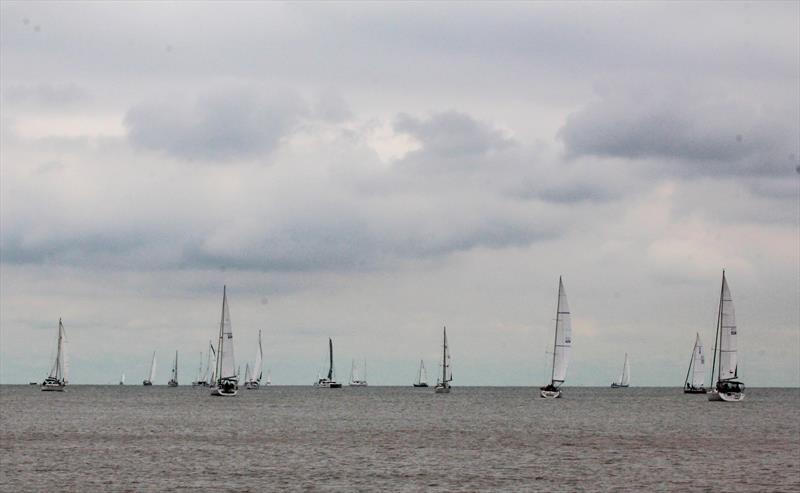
131,438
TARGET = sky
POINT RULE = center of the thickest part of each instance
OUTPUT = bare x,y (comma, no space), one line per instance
371,172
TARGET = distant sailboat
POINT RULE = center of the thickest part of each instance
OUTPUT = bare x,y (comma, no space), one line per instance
210,374
357,380
726,386
328,382
150,376
269,377
227,382
57,379
443,385
696,374
253,381
562,346
199,380
422,376
122,379
173,381
625,377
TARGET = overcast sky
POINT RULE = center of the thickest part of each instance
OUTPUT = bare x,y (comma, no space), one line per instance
372,172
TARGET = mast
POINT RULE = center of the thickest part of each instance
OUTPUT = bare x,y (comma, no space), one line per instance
444,355
691,360
716,337
218,366
59,358
330,347
175,368
555,332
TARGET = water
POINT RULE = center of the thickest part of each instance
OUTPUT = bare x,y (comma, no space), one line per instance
131,438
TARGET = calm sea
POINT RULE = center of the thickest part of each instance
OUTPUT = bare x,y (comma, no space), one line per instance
132,438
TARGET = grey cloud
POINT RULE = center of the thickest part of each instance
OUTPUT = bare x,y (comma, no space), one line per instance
45,95
452,134
224,124
700,133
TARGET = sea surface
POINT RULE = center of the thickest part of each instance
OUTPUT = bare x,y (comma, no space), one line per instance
134,438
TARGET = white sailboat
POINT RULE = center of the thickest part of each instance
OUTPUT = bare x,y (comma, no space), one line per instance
210,373
150,376
173,381
253,380
357,380
562,346
122,379
422,376
227,382
328,382
696,374
443,384
625,377
726,386
57,378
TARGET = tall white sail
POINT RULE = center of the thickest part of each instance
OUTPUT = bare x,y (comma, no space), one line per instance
59,369
152,373
563,337
727,335
226,365
257,366
698,376
210,370
625,378
247,372
423,373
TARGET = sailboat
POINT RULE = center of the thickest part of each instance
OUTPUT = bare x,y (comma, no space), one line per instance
149,380
328,382
199,380
355,380
122,379
696,374
173,381
625,377
562,346
422,376
253,380
269,378
443,385
210,373
227,382
726,385
57,379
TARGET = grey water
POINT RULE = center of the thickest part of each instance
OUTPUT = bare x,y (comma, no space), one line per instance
133,438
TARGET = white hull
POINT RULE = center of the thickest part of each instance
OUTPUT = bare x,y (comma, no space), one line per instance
222,393
328,385
252,385
715,395
52,388
550,394
440,389
358,384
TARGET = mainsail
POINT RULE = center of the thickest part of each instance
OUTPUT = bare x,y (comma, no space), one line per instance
152,374
697,373
625,378
447,371
423,374
563,337
226,366
257,366
174,373
727,335
59,368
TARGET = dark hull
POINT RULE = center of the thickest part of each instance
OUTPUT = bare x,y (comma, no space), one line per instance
695,391
147,383
617,386
420,385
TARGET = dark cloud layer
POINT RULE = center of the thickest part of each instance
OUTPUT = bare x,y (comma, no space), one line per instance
227,123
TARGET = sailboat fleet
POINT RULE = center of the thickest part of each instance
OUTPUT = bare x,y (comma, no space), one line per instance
224,378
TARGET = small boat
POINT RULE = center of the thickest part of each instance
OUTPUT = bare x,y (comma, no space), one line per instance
625,377
57,379
696,374
422,376
443,385
173,381
355,379
329,382
33,383
227,382
122,379
253,380
269,378
150,376
727,386
562,346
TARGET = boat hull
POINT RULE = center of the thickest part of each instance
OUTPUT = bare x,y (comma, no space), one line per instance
440,389
618,386
550,394
421,385
695,391
715,395
147,383
358,384
252,386
53,388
